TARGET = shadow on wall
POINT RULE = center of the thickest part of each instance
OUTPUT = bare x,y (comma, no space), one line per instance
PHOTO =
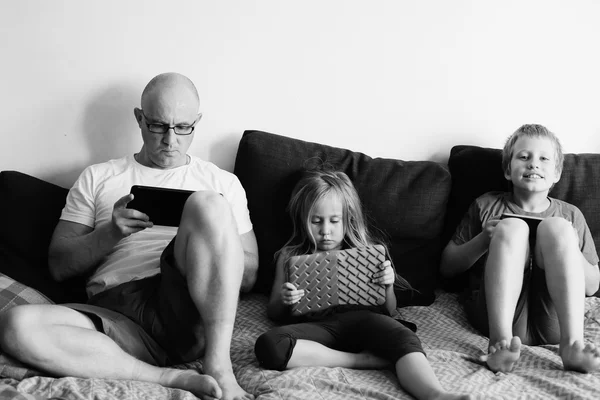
109,126
108,130
223,150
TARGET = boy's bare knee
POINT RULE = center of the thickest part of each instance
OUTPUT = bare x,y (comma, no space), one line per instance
557,231
511,229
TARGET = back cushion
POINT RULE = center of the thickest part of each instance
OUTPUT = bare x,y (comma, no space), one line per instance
476,170
29,211
404,199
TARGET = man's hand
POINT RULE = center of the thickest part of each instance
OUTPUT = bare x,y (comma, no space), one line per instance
126,221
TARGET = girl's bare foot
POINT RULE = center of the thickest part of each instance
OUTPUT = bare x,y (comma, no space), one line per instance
577,357
502,356
202,386
227,382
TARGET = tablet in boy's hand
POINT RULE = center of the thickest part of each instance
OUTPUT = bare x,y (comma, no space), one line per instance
533,222
337,277
163,206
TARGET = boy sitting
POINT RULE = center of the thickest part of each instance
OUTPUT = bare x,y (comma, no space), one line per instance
531,288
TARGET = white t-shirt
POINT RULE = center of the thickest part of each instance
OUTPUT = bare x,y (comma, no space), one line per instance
91,200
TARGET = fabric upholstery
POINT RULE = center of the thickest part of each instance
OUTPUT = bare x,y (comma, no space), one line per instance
29,211
404,199
477,170
13,293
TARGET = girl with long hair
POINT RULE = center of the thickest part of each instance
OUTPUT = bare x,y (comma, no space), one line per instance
327,215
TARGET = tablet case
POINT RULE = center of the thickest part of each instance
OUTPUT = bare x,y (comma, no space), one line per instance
163,206
337,277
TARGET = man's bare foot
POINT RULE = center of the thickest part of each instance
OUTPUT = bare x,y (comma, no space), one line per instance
577,357
502,356
203,386
226,380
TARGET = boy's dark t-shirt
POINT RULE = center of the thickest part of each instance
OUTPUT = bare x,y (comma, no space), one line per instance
492,205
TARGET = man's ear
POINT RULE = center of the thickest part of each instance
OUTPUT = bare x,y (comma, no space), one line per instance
137,112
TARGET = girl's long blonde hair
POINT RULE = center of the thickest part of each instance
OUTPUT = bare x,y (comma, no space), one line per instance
313,186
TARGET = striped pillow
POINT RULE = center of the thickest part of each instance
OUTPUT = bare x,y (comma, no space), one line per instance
13,293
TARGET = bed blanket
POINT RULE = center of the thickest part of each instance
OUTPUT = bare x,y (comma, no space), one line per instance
452,345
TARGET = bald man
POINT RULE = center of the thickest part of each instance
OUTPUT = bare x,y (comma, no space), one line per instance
158,295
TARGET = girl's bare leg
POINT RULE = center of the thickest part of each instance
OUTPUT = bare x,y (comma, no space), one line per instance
416,376
307,353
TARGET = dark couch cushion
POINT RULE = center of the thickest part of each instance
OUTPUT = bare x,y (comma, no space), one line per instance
29,211
404,199
476,170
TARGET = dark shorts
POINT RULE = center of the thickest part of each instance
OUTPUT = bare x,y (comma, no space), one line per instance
535,320
153,319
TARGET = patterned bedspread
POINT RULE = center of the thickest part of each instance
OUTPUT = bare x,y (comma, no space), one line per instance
452,347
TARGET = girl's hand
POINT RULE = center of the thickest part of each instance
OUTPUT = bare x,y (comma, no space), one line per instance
386,276
289,294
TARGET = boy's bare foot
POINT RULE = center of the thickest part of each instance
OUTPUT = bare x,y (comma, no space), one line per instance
502,356
226,380
577,357
203,386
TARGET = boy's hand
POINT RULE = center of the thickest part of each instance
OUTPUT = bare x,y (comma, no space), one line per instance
489,227
386,276
289,294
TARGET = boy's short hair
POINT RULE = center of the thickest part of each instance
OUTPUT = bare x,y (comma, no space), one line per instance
532,130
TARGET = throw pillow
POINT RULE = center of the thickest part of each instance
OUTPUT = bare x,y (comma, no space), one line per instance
404,199
13,293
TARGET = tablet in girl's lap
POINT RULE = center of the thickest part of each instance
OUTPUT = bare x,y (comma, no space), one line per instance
336,277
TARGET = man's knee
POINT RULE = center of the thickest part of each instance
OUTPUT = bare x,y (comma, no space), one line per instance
206,207
16,324
273,350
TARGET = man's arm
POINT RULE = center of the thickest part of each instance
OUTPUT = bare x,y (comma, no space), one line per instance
76,249
250,261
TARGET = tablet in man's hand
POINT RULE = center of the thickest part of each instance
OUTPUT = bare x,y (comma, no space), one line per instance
163,206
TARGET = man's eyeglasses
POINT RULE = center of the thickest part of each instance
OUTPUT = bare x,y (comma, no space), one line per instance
164,128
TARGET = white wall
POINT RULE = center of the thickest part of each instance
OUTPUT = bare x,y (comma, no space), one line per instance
391,78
